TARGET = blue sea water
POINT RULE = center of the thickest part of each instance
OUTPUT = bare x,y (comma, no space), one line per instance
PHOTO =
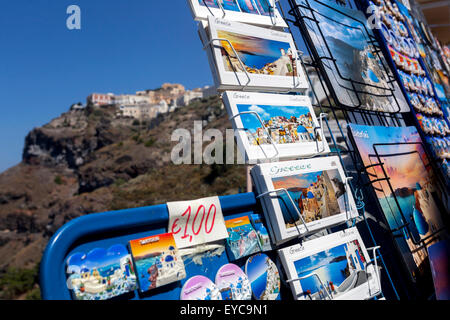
259,285
142,274
330,272
108,270
256,61
395,219
392,213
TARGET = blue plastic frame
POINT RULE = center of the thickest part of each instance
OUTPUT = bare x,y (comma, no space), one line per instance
108,228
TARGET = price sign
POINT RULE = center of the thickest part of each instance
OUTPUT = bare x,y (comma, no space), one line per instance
196,222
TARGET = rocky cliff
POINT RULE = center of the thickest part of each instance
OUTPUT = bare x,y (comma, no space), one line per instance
88,161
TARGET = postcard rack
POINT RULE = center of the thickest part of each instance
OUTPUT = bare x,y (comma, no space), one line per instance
396,284
379,163
441,175
301,23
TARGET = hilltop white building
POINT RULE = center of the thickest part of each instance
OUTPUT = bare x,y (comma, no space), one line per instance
143,111
131,100
199,93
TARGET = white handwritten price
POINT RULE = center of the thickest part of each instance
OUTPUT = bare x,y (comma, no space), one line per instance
196,222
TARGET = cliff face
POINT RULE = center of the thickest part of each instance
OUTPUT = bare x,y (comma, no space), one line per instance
88,161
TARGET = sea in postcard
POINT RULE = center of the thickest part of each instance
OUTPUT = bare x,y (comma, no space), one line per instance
259,285
334,272
254,52
142,266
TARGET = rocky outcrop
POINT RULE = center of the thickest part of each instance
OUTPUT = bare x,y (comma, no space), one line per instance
88,161
72,139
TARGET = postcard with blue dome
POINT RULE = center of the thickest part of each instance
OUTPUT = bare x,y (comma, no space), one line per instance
101,274
274,126
157,261
333,267
243,239
306,196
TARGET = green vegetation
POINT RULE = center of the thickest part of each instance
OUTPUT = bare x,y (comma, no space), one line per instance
177,183
119,182
149,143
59,180
16,282
138,138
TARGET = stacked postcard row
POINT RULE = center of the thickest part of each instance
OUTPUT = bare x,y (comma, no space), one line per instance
298,197
246,56
303,196
332,267
155,261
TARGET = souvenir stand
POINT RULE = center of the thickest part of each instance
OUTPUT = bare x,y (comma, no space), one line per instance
408,284
280,228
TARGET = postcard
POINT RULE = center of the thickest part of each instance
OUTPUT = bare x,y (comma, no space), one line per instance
351,63
252,57
258,12
274,125
263,276
157,261
315,189
243,239
409,196
200,288
233,283
333,267
101,274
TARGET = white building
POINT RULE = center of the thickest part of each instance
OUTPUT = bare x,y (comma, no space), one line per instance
143,111
131,100
199,93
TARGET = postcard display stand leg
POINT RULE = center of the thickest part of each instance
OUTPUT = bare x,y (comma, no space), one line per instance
397,278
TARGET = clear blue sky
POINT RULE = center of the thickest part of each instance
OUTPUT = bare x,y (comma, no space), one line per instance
123,46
